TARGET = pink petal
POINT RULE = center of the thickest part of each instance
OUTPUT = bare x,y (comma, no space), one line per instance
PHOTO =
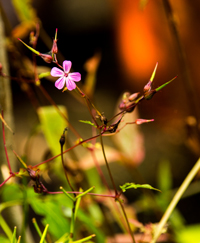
67,66
56,72
70,84
60,83
75,76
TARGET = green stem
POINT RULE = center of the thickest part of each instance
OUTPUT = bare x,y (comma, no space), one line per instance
72,224
126,218
175,200
66,175
5,228
107,165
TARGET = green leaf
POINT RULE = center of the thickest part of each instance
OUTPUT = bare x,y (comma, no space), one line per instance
127,186
91,226
88,122
24,10
14,235
164,176
190,234
51,209
3,239
11,192
52,124
43,75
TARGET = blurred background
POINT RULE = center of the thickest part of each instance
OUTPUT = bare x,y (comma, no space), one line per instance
123,41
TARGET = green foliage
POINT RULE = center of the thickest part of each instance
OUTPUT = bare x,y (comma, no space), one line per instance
24,10
4,239
127,186
189,234
52,125
51,209
88,122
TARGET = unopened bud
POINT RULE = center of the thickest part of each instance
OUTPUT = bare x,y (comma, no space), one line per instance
33,174
133,96
54,48
62,140
141,121
46,57
147,87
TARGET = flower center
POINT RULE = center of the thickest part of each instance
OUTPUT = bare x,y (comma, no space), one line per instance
66,74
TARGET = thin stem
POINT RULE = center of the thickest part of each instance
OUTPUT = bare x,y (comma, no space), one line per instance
107,165
62,142
176,199
72,224
5,148
6,180
126,218
74,146
89,193
88,102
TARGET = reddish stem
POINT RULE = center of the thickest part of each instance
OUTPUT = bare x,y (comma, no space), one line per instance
4,142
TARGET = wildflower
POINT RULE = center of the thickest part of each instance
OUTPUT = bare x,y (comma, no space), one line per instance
65,76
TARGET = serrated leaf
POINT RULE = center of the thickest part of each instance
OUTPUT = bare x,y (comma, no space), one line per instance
88,122
131,185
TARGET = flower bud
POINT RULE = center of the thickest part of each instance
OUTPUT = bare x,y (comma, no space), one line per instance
46,57
33,174
62,140
54,48
141,121
133,96
147,87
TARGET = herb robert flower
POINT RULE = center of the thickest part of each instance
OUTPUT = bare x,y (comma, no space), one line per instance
65,76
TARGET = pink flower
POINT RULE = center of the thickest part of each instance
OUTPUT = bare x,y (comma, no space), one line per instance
65,76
